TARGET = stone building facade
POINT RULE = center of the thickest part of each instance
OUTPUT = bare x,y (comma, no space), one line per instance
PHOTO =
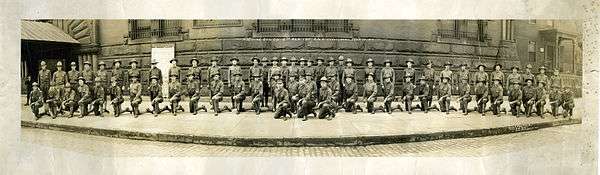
549,43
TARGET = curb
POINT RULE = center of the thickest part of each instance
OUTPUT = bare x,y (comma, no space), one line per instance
300,141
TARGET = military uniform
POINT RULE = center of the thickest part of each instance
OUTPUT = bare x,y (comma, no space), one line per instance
156,96
447,73
103,78
265,82
464,75
213,69
59,78
135,95
88,74
233,70
465,96
555,81
540,100
116,96
445,93
541,77
69,99
86,97
53,100
238,92
216,92
496,94
195,72
528,97
256,92
515,98
281,96
388,95
309,94
327,108
294,90
98,98
387,72
273,71
36,100
44,78
133,72
293,70
370,70
568,104
331,72
409,71
319,70
370,95
156,72
555,99
350,96
255,70
497,74
481,91
284,71
174,70
423,91
118,74
175,92
514,78
408,93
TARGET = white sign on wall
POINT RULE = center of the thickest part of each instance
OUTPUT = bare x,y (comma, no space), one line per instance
163,56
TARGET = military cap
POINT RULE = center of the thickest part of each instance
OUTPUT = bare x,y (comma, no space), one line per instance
498,65
387,61
217,74
214,58
87,62
34,84
81,78
331,59
370,60
542,68
293,59
234,58
101,63
75,64
302,59
446,78
156,77
279,81
194,59
264,59
43,63
448,63
528,79
323,78
255,58
284,59
237,74
132,77
370,74
133,61
173,75
59,64
341,58
274,59
320,58
349,60
515,67
173,59
529,66
481,65
410,60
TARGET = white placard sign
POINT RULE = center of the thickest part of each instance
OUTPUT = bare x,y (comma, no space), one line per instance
163,56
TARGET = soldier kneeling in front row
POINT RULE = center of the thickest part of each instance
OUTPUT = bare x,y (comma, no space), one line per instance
238,92
216,92
98,98
327,106
281,96
85,97
156,96
444,93
370,93
70,99
36,100
174,94
423,92
116,96
351,95
496,95
256,91
52,101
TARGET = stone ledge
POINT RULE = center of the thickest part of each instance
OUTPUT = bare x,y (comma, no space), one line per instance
298,141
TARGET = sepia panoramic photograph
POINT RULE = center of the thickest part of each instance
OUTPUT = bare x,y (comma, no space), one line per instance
303,95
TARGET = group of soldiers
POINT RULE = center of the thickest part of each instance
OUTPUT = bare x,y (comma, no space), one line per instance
298,91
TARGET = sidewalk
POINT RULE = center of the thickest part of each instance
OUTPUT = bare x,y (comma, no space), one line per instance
248,129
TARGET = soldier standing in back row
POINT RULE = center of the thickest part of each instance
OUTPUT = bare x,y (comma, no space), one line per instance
409,71
370,93
232,71
72,75
44,78
59,77
265,82
542,77
156,72
387,72
284,71
447,73
196,73
174,70
497,74
370,69
102,76
133,72
87,73
513,78
331,73
292,71
118,74
463,76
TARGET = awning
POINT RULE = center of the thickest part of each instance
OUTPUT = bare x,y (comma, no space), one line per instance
40,31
